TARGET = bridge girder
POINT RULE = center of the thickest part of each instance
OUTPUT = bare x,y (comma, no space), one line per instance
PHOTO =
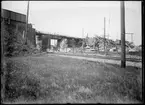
52,36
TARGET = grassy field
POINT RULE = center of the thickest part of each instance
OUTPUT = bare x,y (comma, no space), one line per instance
53,79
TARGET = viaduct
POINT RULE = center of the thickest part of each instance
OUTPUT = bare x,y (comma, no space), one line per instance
46,40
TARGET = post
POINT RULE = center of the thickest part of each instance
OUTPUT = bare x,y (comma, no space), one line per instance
27,22
104,36
123,52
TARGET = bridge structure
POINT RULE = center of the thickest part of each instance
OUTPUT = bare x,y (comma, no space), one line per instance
17,21
45,38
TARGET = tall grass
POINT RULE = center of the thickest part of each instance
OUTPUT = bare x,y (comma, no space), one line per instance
70,80
20,82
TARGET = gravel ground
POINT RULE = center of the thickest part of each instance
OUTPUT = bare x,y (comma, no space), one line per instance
128,63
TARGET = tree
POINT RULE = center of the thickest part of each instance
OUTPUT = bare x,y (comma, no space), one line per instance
14,43
64,44
96,42
131,45
79,43
87,40
73,44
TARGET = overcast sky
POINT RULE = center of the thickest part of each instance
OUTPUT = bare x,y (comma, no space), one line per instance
69,17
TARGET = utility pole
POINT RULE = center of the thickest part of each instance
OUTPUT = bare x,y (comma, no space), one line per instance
123,52
132,37
109,28
83,38
27,22
104,35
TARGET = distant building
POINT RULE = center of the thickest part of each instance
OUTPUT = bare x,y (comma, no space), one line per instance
14,20
17,22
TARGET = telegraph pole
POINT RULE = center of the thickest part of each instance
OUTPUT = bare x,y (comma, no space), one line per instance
109,28
83,38
27,22
123,52
132,37
104,35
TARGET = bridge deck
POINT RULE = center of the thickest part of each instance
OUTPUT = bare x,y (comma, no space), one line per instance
54,36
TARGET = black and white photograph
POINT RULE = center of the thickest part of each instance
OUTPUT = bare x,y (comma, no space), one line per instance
72,52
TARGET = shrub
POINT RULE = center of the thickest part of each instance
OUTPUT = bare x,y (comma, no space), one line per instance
14,43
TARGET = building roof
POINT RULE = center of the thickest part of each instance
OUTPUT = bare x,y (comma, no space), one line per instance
7,14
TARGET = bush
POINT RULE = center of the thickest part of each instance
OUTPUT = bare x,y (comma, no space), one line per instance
14,43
